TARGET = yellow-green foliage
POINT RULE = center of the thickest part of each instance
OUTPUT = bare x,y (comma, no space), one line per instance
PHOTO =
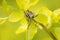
15,26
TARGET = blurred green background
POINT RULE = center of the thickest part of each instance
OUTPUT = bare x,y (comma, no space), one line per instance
7,30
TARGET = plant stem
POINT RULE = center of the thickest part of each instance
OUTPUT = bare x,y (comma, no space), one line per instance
48,31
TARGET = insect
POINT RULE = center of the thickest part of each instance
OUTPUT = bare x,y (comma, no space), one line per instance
31,16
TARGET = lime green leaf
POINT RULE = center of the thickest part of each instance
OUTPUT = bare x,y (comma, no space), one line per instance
57,32
23,26
15,16
42,35
47,11
8,12
3,20
44,16
55,28
57,15
26,4
32,30
10,8
4,4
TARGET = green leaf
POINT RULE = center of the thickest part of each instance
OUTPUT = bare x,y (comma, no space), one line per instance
15,16
57,32
23,26
55,29
8,12
26,4
4,4
42,35
57,15
44,16
32,30
3,20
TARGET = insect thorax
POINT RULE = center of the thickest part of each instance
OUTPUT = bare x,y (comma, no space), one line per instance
29,14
